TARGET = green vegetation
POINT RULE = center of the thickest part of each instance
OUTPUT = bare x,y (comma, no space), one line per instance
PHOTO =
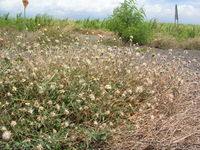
56,94
92,24
21,24
181,31
70,85
128,21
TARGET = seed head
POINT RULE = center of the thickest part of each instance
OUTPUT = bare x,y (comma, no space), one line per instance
6,135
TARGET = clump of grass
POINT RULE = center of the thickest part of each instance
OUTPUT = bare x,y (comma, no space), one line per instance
74,96
164,42
191,44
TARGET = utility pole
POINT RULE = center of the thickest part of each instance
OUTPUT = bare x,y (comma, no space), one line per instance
176,15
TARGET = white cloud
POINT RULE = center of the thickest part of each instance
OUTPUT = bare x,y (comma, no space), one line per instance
163,10
60,6
165,13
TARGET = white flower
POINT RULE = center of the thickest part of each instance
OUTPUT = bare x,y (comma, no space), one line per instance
13,123
152,92
50,102
9,94
144,64
57,106
78,101
36,104
139,89
39,147
92,97
66,124
137,54
100,36
108,87
129,91
52,114
3,128
6,135
66,112
111,124
82,81
186,52
149,82
136,68
30,110
180,81
128,71
57,41
117,92
54,131
53,86
171,96
88,61
95,123
170,50
107,112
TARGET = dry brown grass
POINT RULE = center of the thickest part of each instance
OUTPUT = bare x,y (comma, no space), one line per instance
169,42
164,42
166,124
191,44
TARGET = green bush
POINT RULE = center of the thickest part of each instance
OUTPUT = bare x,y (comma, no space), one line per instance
141,33
128,20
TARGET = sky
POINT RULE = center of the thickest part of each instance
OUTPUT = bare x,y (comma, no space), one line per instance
162,10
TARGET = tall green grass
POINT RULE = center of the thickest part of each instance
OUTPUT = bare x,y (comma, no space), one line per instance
139,31
181,31
21,24
92,24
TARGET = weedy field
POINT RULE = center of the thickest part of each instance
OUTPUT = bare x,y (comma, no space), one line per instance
152,33
93,84
63,88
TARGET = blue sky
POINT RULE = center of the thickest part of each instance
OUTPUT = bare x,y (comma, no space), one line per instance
162,10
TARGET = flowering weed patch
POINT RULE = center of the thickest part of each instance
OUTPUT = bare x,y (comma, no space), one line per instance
73,95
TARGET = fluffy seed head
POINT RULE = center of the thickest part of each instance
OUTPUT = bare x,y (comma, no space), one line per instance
6,135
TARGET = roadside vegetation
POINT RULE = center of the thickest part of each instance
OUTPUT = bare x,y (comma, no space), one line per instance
127,21
63,92
72,85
